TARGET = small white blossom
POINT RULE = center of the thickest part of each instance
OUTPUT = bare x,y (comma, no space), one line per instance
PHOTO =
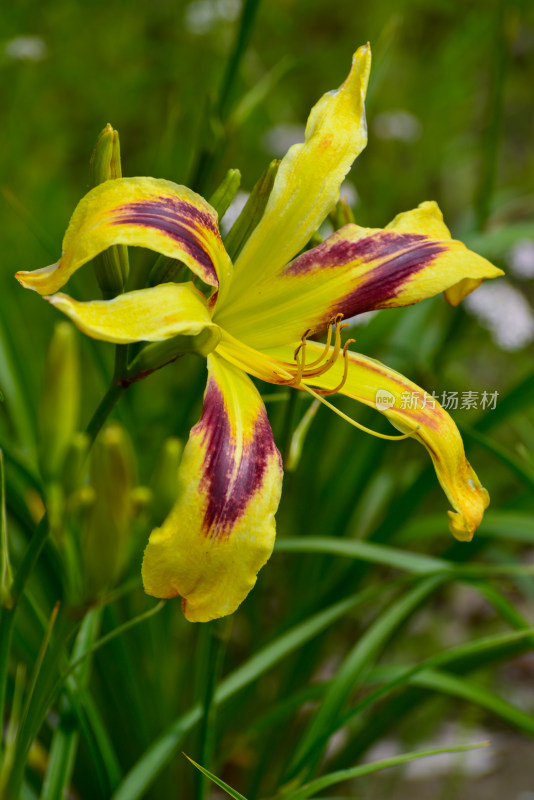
279,139
349,193
234,210
202,16
26,48
503,309
397,124
521,258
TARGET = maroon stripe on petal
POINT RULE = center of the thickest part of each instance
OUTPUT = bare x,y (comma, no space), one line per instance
335,252
180,221
230,478
385,282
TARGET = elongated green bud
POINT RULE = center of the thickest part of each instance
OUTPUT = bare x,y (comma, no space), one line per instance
167,270
342,214
252,212
59,405
6,577
225,192
111,266
164,480
299,437
106,538
73,463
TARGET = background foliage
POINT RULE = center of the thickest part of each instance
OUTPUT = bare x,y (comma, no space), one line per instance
373,627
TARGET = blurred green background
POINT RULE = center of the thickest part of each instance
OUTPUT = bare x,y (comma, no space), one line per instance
451,118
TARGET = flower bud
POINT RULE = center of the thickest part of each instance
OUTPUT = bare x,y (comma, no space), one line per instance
111,266
225,192
107,535
59,405
6,577
252,212
164,480
73,463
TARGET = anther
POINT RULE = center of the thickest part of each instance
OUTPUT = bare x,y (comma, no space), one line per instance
345,372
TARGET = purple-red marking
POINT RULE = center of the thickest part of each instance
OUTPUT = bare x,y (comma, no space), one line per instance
181,221
399,257
230,481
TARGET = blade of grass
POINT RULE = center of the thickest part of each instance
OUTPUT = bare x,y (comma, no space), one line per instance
359,658
365,551
467,650
366,769
217,781
66,736
156,757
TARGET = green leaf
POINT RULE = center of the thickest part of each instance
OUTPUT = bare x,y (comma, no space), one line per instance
228,789
363,653
154,759
366,769
365,551
455,654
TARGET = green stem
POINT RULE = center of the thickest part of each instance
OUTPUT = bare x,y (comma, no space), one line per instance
246,27
211,656
107,404
213,148
289,424
491,136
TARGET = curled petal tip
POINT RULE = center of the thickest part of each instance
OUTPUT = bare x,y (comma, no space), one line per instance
463,523
42,280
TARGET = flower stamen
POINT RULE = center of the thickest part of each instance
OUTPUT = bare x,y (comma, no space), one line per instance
345,372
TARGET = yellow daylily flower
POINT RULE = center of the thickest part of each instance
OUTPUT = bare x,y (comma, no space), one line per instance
259,314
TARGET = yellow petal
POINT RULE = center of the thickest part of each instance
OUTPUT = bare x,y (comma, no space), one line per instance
149,315
308,179
356,270
221,530
410,410
144,212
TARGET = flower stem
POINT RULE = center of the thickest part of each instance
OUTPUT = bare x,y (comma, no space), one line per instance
107,404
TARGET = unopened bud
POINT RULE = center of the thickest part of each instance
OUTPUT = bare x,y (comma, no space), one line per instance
225,192
299,437
59,405
111,266
6,577
252,212
73,464
342,214
107,535
164,480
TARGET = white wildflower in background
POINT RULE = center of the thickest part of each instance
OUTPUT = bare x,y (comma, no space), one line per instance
521,258
280,138
202,16
234,210
505,311
349,194
397,124
26,48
